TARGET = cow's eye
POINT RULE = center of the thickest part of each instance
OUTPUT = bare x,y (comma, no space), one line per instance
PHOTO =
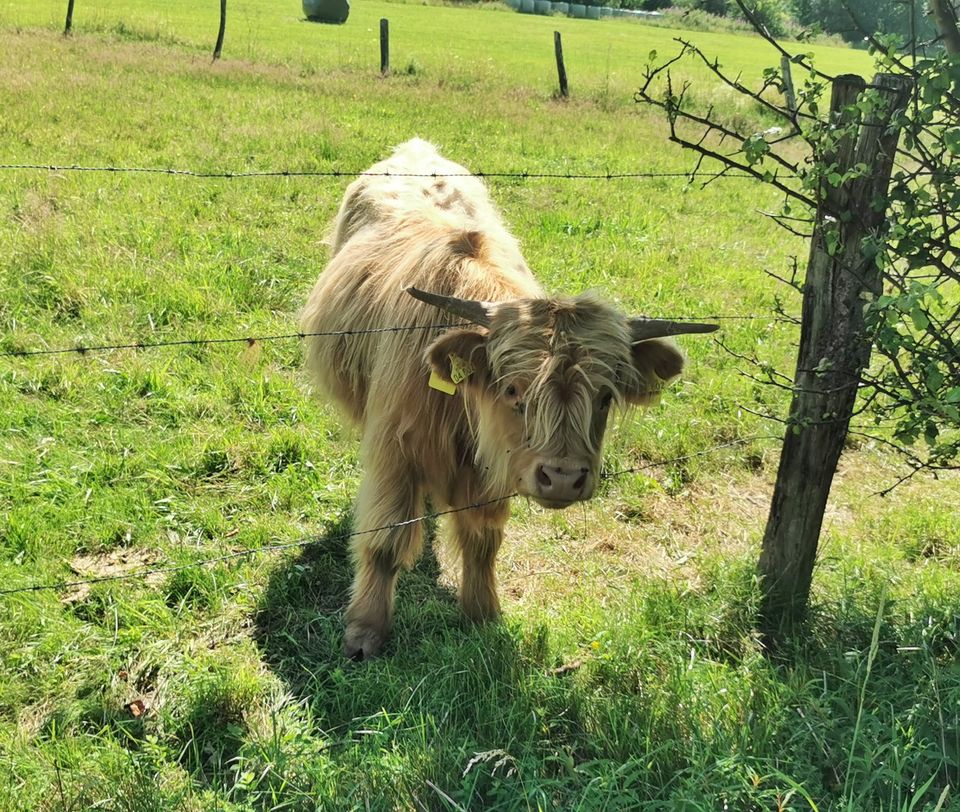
510,391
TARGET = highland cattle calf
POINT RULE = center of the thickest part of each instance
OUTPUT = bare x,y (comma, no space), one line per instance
529,379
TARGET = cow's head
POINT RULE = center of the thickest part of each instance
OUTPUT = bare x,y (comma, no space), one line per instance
542,376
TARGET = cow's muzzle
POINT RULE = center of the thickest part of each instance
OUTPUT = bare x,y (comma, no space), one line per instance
557,485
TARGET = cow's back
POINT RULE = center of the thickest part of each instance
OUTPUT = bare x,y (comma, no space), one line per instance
415,182
415,219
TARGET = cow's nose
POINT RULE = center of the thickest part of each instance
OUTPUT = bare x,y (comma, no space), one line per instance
561,483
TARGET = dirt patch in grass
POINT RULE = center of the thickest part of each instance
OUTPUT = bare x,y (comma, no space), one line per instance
662,536
37,211
112,565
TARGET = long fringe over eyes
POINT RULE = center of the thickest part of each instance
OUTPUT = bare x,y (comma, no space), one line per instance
567,359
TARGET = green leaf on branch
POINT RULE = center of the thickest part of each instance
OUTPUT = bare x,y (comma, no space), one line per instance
919,317
831,239
951,140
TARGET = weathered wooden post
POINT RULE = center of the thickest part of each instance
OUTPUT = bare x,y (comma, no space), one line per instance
384,46
561,68
834,346
69,24
223,27
790,95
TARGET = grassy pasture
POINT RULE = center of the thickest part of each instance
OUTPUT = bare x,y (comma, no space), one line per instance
625,674
498,46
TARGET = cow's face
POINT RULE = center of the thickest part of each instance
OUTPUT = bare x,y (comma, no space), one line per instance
544,376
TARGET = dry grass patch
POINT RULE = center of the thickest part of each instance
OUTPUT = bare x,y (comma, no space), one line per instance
619,539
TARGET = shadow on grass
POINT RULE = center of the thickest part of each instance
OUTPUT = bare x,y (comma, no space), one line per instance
299,624
303,600
439,679
652,709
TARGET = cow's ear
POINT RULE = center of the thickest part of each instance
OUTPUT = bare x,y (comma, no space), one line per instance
657,362
460,356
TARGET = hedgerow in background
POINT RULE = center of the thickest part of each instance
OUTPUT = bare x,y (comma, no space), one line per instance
809,18
776,15
852,18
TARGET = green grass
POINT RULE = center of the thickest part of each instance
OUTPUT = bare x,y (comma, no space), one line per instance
626,673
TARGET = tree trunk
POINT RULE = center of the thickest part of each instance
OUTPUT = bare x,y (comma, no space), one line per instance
946,19
834,346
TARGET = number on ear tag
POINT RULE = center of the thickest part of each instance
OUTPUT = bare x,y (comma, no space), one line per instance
460,369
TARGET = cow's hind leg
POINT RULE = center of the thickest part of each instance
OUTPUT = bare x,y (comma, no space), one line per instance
380,550
478,533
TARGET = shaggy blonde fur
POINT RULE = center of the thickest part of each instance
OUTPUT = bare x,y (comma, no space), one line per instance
546,371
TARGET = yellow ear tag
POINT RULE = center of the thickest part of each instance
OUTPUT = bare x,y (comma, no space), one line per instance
460,369
438,383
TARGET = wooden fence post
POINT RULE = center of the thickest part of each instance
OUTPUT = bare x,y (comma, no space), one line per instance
69,23
834,346
223,27
788,91
561,68
384,46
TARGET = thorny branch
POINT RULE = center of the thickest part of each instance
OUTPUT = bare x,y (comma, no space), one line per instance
914,383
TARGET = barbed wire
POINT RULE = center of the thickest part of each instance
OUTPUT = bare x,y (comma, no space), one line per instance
251,340
303,542
605,476
353,173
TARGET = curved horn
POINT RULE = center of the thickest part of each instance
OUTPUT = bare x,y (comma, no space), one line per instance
642,329
476,312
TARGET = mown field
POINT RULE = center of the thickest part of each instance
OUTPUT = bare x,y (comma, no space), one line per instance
625,673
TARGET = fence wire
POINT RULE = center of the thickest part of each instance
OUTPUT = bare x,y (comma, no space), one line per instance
355,173
305,541
258,339
193,342
251,340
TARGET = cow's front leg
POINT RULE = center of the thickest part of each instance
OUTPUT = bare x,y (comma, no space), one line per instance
380,552
479,533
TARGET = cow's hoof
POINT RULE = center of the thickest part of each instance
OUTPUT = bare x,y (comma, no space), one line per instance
362,642
482,614
481,607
